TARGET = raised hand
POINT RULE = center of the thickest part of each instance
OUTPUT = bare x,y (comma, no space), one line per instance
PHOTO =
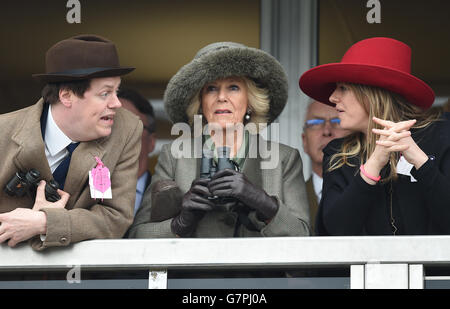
396,137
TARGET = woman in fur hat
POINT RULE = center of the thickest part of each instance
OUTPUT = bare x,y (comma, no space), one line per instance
232,88
391,176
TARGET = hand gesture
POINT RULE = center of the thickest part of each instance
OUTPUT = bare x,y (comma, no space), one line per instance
396,137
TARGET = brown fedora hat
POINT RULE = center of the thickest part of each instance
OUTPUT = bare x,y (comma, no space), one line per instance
81,57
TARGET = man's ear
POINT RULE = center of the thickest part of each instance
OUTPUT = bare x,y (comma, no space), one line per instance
66,97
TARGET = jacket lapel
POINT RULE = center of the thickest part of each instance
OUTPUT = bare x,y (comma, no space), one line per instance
189,169
30,145
255,171
82,161
252,166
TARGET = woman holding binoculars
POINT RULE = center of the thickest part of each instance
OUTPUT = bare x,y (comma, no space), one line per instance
232,87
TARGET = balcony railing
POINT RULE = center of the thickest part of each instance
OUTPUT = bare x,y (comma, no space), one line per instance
374,262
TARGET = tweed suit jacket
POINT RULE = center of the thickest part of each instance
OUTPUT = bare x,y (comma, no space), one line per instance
22,148
284,182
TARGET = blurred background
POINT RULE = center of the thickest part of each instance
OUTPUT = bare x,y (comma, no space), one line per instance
159,36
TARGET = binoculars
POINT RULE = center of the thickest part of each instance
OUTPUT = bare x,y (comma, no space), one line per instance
22,184
208,169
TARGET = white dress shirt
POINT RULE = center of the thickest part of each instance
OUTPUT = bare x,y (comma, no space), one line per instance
317,183
55,142
55,145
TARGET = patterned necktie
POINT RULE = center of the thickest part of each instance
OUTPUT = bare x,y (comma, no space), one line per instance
61,171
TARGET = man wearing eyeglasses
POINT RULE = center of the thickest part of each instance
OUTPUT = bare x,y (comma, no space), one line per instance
141,107
321,126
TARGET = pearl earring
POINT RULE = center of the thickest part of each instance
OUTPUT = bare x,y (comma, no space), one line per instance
247,115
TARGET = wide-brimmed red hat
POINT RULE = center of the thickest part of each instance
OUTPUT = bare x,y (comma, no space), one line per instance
380,62
81,57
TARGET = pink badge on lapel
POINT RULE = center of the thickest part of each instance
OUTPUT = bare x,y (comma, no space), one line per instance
99,180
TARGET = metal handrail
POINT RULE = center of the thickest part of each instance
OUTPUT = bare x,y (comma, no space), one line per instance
227,253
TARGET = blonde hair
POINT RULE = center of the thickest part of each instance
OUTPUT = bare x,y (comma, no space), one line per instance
385,105
258,103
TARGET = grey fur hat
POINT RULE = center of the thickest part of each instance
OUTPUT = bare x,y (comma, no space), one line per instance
221,60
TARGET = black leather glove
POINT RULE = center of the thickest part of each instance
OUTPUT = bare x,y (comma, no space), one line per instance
234,184
193,207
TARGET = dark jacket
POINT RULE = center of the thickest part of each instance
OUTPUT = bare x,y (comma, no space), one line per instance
350,206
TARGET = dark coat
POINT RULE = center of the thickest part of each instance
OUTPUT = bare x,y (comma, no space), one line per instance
350,206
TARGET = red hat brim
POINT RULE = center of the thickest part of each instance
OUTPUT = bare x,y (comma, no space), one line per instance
320,82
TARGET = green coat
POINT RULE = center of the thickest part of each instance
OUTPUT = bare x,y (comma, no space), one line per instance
284,182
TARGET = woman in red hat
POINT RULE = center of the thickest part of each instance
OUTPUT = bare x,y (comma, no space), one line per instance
391,175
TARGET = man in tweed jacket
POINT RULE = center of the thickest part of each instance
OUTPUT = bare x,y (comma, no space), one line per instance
79,106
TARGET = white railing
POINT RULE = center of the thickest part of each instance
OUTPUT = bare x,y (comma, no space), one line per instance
375,262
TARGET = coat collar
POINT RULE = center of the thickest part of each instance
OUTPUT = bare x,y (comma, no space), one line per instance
30,144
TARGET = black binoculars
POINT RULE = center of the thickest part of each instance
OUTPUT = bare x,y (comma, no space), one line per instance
208,169
26,183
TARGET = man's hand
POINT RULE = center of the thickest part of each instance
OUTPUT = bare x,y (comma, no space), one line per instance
22,223
41,202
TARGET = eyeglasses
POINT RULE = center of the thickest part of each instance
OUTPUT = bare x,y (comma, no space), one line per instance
318,123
